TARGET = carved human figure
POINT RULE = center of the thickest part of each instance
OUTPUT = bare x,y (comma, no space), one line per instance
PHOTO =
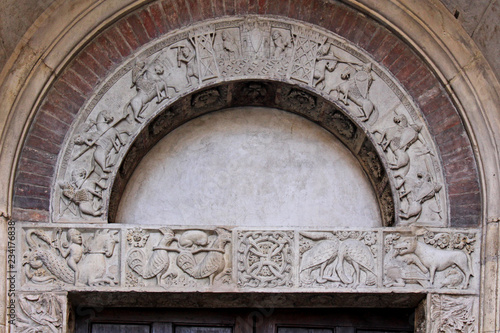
424,189
72,252
281,44
431,260
358,80
229,45
398,139
187,56
325,61
88,202
148,82
106,141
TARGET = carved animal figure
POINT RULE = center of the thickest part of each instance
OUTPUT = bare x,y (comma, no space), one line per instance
158,263
430,259
319,256
360,257
193,238
424,189
101,246
86,200
48,256
325,61
149,84
213,262
355,88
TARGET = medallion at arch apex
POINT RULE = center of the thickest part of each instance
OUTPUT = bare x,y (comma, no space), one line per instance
319,64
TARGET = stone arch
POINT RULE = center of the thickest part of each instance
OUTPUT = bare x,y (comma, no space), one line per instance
34,213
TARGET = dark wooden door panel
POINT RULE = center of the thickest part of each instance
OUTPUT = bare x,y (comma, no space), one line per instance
303,330
120,328
202,329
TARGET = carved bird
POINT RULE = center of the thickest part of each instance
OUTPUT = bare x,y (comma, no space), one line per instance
320,255
213,262
158,263
360,257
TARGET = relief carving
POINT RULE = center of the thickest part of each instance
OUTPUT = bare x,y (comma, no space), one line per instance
41,313
203,41
344,258
198,255
435,260
186,60
64,257
452,314
79,199
265,259
306,46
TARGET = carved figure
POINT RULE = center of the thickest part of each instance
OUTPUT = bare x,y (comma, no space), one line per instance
192,238
65,264
212,264
398,139
229,45
101,246
325,61
147,80
319,256
72,252
158,262
452,314
187,56
358,80
281,44
360,257
44,310
107,142
431,260
423,190
86,200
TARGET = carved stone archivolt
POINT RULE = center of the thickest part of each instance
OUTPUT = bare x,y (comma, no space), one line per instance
199,59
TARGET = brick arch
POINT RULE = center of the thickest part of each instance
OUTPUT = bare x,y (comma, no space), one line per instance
38,158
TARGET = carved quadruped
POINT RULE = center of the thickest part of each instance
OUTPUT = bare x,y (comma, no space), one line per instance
199,59
450,313
47,312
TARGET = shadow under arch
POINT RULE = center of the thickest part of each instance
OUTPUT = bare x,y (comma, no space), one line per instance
261,93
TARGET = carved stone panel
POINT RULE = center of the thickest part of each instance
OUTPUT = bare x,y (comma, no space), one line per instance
431,260
45,312
449,313
70,257
265,259
178,258
252,48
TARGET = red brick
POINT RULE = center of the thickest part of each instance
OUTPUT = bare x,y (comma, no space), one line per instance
32,191
377,39
138,29
218,6
124,28
278,7
118,40
305,10
183,12
33,166
294,9
109,49
433,103
52,135
369,30
97,52
159,19
69,92
406,56
171,14
415,76
252,6
408,70
263,7
230,7
463,199
356,30
385,48
39,156
317,12
75,81
42,144
347,24
31,203
443,118
195,9
148,24
394,54
85,73
30,215
33,179
92,65
473,209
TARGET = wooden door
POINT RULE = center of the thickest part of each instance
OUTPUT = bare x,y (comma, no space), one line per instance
248,321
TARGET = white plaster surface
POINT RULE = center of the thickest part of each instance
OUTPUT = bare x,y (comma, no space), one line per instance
250,167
